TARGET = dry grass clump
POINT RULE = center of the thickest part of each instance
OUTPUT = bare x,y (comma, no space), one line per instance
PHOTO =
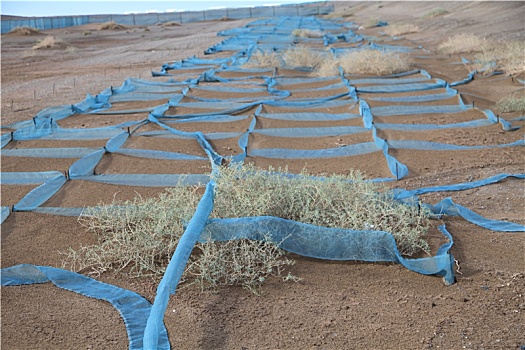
345,13
24,30
50,42
511,104
508,57
171,24
333,201
461,43
328,68
138,237
301,56
511,57
400,29
435,13
242,262
366,62
111,26
340,14
307,33
261,59
371,23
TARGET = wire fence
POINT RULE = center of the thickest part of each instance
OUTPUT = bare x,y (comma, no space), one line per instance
46,23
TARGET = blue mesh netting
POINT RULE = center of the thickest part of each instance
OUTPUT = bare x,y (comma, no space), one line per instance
213,92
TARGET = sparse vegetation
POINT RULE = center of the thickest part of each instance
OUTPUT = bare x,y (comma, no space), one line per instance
508,57
261,59
346,12
400,29
171,24
334,201
50,42
242,262
372,22
511,57
461,43
25,31
307,33
29,53
71,49
87,32
435,13
111,26
339,14
366,62
511,104
302,56
139,236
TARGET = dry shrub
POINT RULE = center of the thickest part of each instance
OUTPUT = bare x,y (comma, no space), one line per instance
347,12
339,14
366,62
372,23
511,57
171,24
508,57
435,13
138,237
302,56
29,53
342,201
400,29
261,59
307,33
461,43
111,26
242,262
328,68
24,31
50,42
511,104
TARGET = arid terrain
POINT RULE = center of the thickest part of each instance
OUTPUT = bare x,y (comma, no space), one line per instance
336,305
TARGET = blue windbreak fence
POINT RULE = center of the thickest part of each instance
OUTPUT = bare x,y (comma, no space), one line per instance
44,23
232,114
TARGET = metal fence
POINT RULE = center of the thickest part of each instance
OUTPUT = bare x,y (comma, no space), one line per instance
44,23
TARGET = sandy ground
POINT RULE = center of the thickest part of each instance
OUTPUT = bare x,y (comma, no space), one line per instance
350,305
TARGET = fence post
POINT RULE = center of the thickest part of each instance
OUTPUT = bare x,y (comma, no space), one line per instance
180,17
